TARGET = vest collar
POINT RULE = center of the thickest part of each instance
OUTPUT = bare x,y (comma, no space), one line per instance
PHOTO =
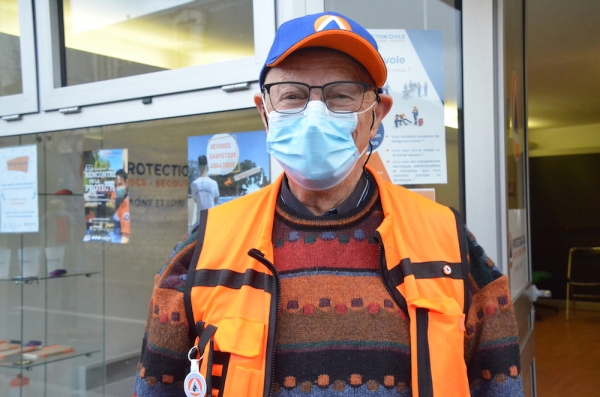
265,227
388,230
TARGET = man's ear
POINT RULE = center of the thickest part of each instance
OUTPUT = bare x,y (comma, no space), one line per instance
381,110
258,101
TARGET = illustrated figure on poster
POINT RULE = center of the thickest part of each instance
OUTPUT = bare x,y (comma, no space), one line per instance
425,88
415,113
396,120
205,190
403,120
120,197
386,88
419,88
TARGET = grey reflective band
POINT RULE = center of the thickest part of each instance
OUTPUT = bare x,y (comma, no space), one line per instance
425,382
187,292
233,280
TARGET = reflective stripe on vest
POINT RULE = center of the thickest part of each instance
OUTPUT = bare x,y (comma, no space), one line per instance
233,284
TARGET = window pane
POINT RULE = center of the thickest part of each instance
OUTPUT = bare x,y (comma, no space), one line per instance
421,19
106,40
159,208
10,51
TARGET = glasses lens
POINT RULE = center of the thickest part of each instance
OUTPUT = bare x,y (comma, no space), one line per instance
289,97
344,97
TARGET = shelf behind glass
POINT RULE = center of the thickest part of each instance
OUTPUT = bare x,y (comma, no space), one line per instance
13,363
31,280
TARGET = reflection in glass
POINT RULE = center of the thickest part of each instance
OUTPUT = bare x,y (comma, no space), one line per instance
111,39
10,51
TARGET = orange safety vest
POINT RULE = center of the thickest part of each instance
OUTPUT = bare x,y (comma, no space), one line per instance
232,292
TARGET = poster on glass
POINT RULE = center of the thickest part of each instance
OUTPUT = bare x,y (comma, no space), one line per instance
18,190
106,196
225,166
410,145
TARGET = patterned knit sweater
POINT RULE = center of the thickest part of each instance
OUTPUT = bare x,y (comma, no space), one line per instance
340,333
339,329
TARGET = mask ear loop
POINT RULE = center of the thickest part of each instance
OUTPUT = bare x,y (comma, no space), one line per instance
377,99
368,157
264,115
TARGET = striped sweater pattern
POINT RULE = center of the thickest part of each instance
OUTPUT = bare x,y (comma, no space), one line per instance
339,331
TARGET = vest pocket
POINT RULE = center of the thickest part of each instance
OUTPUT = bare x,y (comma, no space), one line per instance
440,340
244,339
240,336
244,382
446,347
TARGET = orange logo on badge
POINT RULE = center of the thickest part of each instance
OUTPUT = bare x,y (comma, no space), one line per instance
322,22
195,386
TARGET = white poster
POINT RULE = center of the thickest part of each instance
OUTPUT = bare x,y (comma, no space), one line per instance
517,245
18,190
410,146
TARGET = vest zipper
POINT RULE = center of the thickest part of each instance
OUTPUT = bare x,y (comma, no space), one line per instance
271,342
394,293
425,386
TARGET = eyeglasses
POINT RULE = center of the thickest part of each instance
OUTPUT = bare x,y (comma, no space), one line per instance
339,96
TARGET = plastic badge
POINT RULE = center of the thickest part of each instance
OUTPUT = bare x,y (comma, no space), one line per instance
194,384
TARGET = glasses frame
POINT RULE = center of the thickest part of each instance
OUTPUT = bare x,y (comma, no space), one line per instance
365,86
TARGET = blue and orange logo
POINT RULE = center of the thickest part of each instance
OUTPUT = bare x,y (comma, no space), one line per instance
324,21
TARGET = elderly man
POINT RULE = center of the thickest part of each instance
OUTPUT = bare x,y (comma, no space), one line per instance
330,281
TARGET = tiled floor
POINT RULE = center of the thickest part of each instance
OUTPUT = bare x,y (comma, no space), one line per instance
568,353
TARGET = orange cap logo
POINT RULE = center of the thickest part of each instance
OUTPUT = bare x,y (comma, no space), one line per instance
18,164
325,20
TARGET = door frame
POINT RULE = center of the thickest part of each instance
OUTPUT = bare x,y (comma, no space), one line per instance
485,155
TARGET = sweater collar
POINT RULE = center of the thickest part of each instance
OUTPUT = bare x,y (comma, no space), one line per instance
354,200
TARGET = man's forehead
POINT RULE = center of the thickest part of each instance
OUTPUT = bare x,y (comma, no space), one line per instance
319,62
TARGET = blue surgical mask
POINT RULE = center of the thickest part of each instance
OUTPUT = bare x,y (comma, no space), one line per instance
314,147
121,191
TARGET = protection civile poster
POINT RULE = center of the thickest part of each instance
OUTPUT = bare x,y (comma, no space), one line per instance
410,145
106,196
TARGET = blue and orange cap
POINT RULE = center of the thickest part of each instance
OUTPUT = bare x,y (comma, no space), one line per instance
330,30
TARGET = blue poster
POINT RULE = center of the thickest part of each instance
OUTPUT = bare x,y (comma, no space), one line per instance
224,166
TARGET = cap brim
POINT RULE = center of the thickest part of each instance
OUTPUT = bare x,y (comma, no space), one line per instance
349,43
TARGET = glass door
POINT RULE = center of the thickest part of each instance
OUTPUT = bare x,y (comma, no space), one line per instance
517,186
